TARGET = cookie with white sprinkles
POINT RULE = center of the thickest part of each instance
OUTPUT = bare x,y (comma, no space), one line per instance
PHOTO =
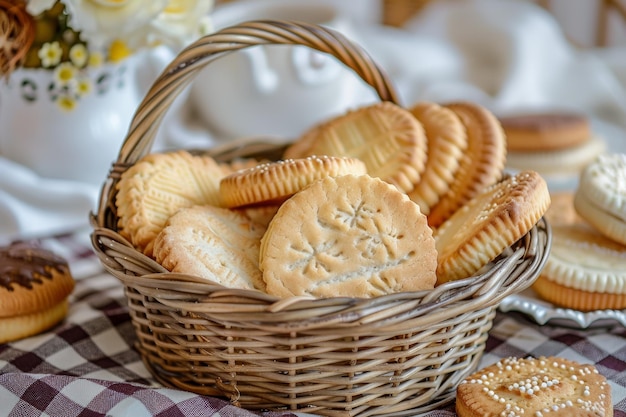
535,387
491,222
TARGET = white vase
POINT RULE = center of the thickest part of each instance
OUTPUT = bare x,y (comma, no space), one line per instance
66,136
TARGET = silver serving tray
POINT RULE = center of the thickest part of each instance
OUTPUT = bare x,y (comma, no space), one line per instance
542,312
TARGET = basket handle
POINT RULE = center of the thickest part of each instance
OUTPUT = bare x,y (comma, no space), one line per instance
181,71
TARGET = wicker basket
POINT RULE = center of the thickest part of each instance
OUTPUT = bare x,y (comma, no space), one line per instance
400,354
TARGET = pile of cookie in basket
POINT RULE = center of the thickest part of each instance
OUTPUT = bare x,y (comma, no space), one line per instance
378,200
353,205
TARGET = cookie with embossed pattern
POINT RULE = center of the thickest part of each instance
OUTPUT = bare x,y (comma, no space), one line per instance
386,137
159,184
214,243
352,235
482,163
447,140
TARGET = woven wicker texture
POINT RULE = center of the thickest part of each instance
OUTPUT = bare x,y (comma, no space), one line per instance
399,354
17,33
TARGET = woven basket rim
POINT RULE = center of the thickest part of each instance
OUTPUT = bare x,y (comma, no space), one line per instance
486,288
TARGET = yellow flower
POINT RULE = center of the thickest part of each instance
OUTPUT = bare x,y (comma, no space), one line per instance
78,55
65,74
118,51
95,59
50,54
66,103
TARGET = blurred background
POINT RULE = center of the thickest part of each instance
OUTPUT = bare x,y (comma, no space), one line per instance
587,23
511,56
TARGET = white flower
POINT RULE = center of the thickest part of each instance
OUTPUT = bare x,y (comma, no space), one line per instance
83,87
65,74
78,55
181,22
50,54
36,7
100,21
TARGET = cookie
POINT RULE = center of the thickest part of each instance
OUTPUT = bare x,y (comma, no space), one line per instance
240,164
537,387
562,209
274,182
352,236
446,142
482,163
261,214
386,137
214,243
155,187
494,220
600,198
558,163
584,271
541,132
34,288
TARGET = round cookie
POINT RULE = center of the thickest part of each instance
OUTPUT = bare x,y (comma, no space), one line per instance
554,144
214,243
585,271
155,187
483,228
562,209
558,163
353,236
386,137
535,387
541,132
600,198
34,288
273,182
482,163
446,142
240,164
261,214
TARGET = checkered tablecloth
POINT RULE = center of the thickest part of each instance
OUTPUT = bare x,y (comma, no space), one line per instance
87,367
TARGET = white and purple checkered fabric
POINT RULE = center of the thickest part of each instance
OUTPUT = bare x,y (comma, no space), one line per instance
87,366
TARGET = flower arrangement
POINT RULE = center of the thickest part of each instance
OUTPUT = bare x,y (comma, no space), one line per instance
68,37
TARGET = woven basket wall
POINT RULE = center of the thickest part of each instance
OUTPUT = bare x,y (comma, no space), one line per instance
400,354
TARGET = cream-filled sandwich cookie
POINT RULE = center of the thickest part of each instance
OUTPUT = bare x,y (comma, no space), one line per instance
584,270
600,198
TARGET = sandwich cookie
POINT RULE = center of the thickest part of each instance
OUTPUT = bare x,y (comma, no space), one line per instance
34,288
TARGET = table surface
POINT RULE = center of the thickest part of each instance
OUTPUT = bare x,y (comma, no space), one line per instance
87,365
